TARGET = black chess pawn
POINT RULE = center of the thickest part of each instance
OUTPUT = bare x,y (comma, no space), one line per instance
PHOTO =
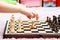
47,20
59,19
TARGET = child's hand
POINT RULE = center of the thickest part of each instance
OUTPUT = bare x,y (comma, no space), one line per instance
31,14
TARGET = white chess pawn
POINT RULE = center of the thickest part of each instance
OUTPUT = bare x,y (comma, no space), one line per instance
33,24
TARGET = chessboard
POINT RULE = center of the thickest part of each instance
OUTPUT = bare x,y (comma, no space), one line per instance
39,29
29,29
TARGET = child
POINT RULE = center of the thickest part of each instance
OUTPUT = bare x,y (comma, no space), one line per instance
5,7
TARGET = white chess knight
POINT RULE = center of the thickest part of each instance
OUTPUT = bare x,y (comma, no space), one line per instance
12,24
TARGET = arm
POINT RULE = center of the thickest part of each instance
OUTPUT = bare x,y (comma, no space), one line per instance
4,7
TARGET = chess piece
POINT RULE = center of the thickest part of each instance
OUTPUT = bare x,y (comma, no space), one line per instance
12,24
50,22
56,29
54,19
19,25
33,24
47,19
59,19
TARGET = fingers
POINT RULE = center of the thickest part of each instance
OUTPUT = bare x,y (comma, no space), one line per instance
35,15
31,15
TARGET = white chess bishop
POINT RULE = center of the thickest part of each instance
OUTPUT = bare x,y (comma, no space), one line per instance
19,25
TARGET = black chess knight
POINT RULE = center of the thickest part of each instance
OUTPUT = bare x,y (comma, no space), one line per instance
54,19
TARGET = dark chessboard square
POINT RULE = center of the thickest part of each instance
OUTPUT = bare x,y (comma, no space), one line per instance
16,25
33,28
49,31
38,26
8,25
41,30
20,32
44,25
8,28
22,28
43,22
24,21
15,29
34,31
46,28
8,31
26,27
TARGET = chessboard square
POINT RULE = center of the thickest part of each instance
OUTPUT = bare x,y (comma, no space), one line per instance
59,31
27,32
40,28
20,32
49,31
16,29
26,25
30,24
42,32
8,28
26,28
9,25
8,31
46,26
37,25
34,26
22,27
42,22
34,29
36,21
58,27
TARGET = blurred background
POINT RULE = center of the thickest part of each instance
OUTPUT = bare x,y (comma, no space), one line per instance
40,3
